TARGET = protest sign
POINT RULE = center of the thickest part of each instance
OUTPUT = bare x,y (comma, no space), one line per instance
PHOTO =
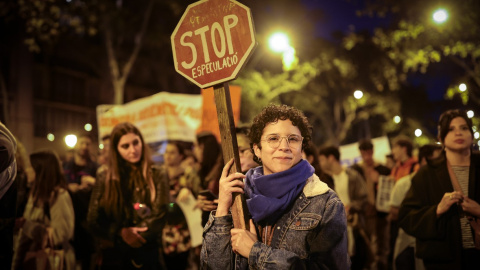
163,116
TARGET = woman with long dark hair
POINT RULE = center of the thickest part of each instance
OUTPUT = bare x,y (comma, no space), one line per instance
127,205
209,155
441,209
48,205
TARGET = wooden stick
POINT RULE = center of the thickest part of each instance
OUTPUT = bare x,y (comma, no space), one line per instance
230,150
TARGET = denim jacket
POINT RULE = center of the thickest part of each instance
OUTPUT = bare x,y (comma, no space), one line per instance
311,235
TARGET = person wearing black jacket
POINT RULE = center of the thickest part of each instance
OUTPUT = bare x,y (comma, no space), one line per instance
442,208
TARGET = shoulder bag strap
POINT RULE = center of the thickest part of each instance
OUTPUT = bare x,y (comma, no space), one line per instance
453,178
474,222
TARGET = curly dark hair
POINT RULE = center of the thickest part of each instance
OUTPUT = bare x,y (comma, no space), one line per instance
272,113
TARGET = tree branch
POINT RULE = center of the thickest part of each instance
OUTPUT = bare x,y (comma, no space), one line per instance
471,73
112,60
138,41
350,115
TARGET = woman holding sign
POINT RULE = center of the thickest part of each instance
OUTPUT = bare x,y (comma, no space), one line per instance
297,221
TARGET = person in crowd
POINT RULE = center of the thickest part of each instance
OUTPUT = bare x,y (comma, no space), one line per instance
297,221
24,180
184,185
405,164
80,173
8,194
403,253
390,161
25,177
208,154
81,169
351,189
246,163
49,205
376,222
246,155
127,207
310,154
103,155
441,208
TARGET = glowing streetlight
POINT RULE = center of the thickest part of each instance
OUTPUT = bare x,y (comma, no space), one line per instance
50,137
397,119
440,15
288,58
470,114
358,94
418,132
279,42
462,87
71,140
88,127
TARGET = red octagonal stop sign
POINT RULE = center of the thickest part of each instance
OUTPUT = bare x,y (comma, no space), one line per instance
213,41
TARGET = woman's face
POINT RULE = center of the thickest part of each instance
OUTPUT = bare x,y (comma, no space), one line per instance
246,155
458,137
284,156
172,155
130,147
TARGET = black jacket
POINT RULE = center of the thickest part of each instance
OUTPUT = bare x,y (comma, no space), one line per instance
439,240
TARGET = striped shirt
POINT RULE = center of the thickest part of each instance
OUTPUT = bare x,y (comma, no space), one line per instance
462,172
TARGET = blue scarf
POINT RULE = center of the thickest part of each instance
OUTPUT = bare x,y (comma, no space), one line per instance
268,196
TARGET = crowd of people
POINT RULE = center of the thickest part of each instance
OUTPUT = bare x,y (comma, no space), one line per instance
306,210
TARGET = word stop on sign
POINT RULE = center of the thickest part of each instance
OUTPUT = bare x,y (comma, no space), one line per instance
224,33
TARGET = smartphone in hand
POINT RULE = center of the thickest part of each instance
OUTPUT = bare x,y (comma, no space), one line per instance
208,194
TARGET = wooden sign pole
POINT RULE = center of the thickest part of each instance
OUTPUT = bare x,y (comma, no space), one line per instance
230,150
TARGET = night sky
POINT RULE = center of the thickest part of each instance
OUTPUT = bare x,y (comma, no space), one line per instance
340,15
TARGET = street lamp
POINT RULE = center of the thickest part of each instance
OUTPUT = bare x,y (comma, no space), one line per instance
418,132
462,87
358,94
440,15
280,43
397,119
470,114
88,127
71,140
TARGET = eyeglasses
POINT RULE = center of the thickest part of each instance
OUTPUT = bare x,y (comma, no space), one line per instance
293,141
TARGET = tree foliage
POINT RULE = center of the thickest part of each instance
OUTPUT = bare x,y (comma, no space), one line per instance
122,26
322,85
415,41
